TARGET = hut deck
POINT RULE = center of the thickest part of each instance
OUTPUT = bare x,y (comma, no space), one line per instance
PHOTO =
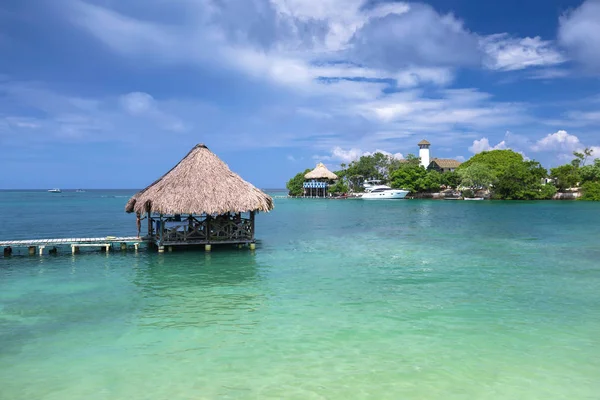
71,241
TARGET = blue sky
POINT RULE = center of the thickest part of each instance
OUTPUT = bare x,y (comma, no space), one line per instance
112,93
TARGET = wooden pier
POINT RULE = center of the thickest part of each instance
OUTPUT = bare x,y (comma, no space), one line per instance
37,246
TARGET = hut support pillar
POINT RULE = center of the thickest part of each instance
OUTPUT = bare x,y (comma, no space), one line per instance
252,246
41,250
74,249
252,224
207,247
149,216
32,250
161,249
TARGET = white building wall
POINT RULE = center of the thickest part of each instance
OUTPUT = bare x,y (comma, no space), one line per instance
424,155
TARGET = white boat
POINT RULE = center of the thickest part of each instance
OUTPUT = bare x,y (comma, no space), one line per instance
473,198
369,184
55,191
80,191
383,192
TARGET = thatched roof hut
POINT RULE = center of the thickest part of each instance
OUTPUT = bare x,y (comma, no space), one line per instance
199,184
321,172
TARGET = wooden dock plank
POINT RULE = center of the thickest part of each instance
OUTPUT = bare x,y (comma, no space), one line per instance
70,241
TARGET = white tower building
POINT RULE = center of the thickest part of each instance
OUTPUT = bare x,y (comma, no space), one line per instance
424,152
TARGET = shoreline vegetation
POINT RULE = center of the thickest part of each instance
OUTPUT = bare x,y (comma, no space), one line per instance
496,175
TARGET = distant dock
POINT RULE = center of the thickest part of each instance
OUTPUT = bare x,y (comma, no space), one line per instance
37,246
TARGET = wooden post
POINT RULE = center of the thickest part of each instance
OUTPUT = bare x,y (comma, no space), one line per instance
149,216
162,231
170,249
32,250
123,246
207,247
161,249
136,245
252,246
208,227
41,250
252,225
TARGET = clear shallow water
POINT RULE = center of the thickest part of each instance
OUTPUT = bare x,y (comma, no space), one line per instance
342,299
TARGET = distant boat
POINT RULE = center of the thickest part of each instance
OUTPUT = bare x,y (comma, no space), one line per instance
473,198
80,191
55,191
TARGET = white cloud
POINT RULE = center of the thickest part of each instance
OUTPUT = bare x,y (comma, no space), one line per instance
508,53
483,144
563,144
137,103
346,156
398,156
418,36
352,154
579,34
558,141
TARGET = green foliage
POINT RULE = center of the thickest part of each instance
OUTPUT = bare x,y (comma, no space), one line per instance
522,181
476,176
450,179
591,191
339,187
415,178
566,176
590,173
295,185
495,160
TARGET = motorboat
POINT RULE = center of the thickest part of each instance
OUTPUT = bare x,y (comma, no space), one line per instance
474,198
369,184
383,192
80,191
55,191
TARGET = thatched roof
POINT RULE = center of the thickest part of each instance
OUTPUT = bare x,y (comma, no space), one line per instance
423,143
200,184
320,172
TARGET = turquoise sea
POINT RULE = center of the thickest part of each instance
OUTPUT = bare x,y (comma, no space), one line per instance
342,299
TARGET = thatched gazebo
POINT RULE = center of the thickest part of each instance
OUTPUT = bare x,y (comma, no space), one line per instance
316,182
199,201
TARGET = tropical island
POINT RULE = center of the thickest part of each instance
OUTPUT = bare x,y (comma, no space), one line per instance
495,174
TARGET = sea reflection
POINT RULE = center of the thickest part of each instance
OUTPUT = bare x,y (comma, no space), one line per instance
195,289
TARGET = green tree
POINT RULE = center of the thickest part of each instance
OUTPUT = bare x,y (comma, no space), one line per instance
408,177
495,160
476,176
339,187
413,177
451,179
590,173
522,181
295,185
566,176
591,191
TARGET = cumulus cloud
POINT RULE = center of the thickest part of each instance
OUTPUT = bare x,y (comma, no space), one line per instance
352,154
507,53
561,141
579,34
418,36
483,144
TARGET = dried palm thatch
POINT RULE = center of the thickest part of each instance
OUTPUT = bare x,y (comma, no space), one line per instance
320,172
199,184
